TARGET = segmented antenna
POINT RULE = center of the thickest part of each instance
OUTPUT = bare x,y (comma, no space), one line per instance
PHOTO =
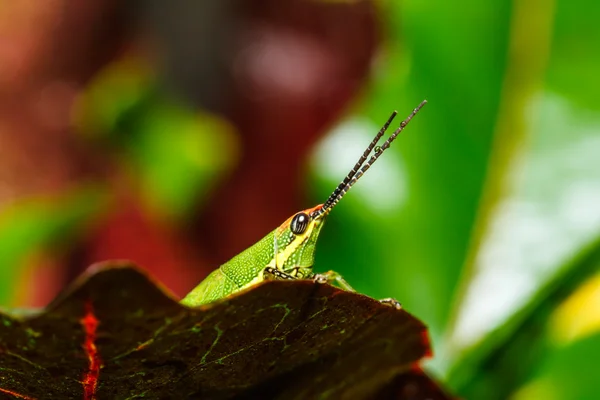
361,167
360,162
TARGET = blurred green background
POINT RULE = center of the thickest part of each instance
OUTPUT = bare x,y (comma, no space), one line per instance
178,136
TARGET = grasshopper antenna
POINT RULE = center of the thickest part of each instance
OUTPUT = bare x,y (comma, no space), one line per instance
360,162
361,167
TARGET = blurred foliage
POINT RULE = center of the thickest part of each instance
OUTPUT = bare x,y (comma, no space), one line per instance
27,228
561,375
164,142
483,219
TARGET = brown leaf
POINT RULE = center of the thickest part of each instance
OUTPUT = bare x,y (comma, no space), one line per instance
413,385
115,335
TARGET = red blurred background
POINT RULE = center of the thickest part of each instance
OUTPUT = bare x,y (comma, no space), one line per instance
279,72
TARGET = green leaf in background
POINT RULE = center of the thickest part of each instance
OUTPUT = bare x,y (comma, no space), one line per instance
177,153
547,221
568,367
539,233
441,53
497,219
29,227
566,373
574,59
178,170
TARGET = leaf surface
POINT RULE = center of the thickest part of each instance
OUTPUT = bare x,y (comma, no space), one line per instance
116,334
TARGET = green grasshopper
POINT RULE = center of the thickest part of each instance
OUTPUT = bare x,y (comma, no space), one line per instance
288,252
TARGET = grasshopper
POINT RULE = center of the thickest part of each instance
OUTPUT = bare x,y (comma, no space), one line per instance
288,252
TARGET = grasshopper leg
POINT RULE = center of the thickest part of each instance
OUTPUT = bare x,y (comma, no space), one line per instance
332,276
271,273
335,277
388,301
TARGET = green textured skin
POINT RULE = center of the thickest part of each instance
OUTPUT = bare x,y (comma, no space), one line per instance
247,267
215,286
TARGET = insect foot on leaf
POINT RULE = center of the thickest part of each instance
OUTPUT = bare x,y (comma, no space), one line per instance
271,273
333,277
391,302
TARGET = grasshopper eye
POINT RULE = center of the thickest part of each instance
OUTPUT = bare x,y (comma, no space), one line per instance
299,223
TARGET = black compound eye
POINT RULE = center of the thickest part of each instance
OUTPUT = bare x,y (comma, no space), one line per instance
299,223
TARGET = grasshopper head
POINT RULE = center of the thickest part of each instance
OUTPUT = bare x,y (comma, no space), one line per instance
296,238
295,241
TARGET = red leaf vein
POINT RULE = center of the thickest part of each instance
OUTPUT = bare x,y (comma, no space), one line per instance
90,378
15,394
